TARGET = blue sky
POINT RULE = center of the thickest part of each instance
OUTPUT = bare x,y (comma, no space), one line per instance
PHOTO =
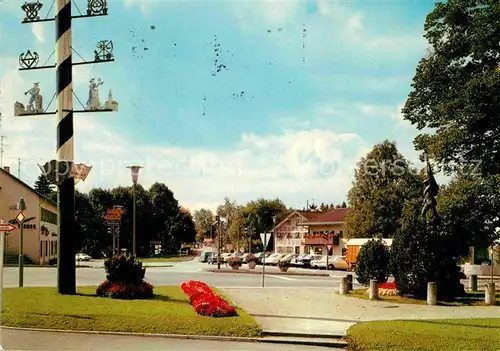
308,88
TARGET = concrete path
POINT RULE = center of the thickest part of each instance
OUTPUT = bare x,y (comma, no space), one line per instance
323,311
34,341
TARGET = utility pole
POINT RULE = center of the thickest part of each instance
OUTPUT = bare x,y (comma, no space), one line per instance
62,174
2,145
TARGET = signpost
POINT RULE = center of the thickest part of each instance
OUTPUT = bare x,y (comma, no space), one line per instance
4,228
112,220
265,241
20,219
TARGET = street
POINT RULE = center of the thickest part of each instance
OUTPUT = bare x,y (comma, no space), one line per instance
35,340
179,272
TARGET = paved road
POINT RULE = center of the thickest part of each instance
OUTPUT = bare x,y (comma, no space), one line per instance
34,341
179,272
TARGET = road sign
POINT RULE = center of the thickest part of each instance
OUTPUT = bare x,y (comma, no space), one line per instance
115,211
112,223
20,217
265,239
112,218
329,247
7,227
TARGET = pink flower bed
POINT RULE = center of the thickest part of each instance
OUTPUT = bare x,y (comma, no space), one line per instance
205,302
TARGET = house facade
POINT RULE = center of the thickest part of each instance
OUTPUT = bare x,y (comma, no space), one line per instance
289,234
40,233
324,233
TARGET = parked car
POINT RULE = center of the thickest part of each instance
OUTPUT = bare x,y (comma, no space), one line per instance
212,259
273,259
306,260
205,255
260,256
288,257
82,257
297,261
338,262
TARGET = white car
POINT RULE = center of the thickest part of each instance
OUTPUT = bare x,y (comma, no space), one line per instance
334,262
274,259
82,257
288,257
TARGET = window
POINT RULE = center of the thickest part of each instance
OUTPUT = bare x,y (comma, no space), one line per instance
48,216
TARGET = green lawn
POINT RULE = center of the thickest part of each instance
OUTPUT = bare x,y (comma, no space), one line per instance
173,258
435,335
168,313
471,299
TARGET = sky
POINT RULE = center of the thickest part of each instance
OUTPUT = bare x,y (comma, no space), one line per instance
300,91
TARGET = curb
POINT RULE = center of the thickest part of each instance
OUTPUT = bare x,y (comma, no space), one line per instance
145,335
302,335
260,273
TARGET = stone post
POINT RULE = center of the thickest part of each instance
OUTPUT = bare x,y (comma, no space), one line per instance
473,282
432,294
349,280
373,292
344,286
490,294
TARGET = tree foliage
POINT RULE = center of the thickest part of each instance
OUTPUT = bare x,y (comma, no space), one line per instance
456,89
373,262
44,186
384,180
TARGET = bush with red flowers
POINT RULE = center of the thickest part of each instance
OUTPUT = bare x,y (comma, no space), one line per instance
205,302
125,279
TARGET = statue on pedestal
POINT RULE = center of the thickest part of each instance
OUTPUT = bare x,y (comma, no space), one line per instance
35,98
94,103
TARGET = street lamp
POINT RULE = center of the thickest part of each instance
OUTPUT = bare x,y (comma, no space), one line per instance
134,170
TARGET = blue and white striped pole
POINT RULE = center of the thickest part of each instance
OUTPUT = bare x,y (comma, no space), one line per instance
66,270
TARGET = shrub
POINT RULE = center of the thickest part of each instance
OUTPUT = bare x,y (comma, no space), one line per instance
373,262
205,302
53,261
251,258
125,279
235,261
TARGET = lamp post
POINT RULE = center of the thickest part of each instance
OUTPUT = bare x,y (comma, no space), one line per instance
265,247
22,207
134,170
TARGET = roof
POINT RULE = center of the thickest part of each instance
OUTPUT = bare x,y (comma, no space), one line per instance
360,242
41,196
337,215
307,215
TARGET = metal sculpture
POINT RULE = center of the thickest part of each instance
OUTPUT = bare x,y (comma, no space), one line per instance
31,10
430,192
97,7
104,51
28,59
93,102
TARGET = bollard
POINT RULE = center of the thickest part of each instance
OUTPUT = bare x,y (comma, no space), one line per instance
344,286
432,294
490,294
373,292
473,282
349,280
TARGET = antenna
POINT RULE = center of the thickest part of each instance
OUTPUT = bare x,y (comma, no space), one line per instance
19,162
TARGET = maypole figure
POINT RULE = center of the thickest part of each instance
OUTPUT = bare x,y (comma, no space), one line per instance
430,192
35,98
94,103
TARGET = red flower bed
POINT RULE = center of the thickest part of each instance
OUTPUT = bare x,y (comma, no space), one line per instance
387,286
205,302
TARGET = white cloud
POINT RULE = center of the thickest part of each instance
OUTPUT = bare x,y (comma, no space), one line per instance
38,30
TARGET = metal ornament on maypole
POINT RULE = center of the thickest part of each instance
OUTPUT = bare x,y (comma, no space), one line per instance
63,170
134,170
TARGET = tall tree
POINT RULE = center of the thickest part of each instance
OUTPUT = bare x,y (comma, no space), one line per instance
456,89
44,186
204,224
383,181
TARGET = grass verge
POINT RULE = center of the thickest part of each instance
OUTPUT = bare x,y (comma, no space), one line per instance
471,299
426,335
168,313
172,258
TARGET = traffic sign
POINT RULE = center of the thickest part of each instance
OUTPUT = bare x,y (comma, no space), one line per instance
265,239
329,247
112,223
115,211
20,217
112,218
7,227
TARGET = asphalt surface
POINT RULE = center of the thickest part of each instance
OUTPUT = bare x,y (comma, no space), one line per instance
174,275
33,340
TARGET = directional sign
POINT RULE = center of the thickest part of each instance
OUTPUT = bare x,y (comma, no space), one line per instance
20,217
329,247
112,218
112,223
7,227
115,211
265,239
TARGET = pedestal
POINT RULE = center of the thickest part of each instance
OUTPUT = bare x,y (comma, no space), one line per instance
432,294
473,282
349,280
490,294
344,286
373,291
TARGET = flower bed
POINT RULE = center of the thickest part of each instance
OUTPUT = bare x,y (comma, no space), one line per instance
387,289
205,302
125,291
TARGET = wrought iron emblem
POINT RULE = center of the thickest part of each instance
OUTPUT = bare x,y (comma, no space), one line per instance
97,7
28,59
104,50
31,10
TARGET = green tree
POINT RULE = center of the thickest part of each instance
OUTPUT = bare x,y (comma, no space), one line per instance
373,262
383,181
204,224
44,186
456,88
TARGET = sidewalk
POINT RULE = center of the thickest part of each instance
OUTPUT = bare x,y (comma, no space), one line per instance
323,311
